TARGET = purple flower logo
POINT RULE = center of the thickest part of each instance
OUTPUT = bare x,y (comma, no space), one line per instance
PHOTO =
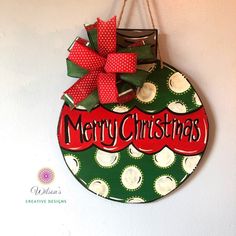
46,176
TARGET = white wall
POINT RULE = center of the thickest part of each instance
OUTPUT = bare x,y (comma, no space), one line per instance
198,37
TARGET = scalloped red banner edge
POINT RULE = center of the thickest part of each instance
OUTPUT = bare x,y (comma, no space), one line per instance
185,134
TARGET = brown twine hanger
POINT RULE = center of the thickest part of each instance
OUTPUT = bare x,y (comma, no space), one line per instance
152,21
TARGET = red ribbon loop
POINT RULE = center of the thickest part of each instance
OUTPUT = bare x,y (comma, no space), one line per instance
86,57
121,63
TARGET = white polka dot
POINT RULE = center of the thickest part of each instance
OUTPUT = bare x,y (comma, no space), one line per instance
190,163
177,107
131,178
135,200
178,83
164,158
134,152
99,187
120,109
164,184
147,93
106,159
72,163
196,99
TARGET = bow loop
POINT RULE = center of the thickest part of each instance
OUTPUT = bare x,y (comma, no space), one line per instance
86,57
101,67
121,63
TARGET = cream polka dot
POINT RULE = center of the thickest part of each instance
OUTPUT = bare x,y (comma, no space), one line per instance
120,109
147,93
196,99
178,84
164,158
135,200
190,162
106,159
72,163
134,152
99,187
131,178
177,107
164,185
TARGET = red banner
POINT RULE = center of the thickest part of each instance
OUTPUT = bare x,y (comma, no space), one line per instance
185,134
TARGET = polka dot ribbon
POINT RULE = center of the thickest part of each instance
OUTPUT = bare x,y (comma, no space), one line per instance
102,66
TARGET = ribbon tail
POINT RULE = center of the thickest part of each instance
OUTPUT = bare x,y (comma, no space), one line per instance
107,90
92,35
106,33
91,101
126,94
137,79
81,89
74,70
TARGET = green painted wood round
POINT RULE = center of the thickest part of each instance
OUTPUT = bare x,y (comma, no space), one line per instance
131,176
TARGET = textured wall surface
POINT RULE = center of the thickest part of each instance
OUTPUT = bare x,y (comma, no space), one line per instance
197,37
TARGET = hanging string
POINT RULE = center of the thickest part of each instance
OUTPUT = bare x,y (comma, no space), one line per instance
150,13
152,21
121,12
153,25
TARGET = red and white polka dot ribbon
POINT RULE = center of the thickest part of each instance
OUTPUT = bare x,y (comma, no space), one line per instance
102,66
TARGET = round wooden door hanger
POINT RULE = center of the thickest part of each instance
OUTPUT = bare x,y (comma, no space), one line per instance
142,150
138,150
